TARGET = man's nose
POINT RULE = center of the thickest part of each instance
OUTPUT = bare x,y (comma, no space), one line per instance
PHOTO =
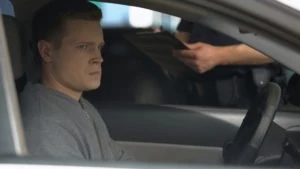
97,59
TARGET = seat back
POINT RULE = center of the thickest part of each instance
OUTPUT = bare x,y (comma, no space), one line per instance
16,50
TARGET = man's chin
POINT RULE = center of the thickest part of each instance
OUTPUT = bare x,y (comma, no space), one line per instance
93,86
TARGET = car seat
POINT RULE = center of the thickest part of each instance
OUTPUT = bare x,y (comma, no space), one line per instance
16,50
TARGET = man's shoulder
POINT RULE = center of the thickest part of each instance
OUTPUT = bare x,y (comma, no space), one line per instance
39,104
30,91
30,99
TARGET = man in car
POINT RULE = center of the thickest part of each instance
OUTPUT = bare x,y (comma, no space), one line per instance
210,49
58,122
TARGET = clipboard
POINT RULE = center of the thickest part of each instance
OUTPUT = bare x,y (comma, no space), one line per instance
159,47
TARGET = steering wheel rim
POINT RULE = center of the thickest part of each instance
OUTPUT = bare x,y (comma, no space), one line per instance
255,126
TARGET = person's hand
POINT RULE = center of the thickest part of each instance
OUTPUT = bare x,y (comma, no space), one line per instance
201,57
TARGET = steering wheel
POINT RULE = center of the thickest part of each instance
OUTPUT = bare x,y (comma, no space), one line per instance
250,136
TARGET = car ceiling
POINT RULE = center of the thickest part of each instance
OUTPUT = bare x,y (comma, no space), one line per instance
272,36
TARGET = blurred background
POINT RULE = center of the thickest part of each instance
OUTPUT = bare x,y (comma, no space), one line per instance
123,16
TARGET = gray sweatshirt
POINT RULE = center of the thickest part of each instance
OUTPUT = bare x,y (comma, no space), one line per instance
58,126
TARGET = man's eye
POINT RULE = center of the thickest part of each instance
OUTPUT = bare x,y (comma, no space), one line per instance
100,48
83,46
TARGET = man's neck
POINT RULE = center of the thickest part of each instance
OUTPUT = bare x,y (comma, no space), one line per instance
55,85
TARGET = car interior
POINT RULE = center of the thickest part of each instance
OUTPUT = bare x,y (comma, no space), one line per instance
156,118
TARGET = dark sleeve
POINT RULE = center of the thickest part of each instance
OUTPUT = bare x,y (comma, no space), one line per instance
204,29
185,26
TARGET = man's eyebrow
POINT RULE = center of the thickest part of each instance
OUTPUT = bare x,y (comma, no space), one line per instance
85,42
91,43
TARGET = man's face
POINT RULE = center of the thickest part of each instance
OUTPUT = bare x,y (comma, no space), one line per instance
76,63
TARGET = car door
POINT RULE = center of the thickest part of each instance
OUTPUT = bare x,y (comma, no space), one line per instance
177,133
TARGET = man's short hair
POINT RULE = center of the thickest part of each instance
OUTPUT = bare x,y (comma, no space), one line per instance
49,20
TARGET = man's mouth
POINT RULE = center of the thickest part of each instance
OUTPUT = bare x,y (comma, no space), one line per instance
95,73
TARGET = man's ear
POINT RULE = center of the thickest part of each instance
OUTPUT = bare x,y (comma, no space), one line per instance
45,50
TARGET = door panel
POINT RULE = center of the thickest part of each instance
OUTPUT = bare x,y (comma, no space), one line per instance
183,125
183,134
166,124
170,153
